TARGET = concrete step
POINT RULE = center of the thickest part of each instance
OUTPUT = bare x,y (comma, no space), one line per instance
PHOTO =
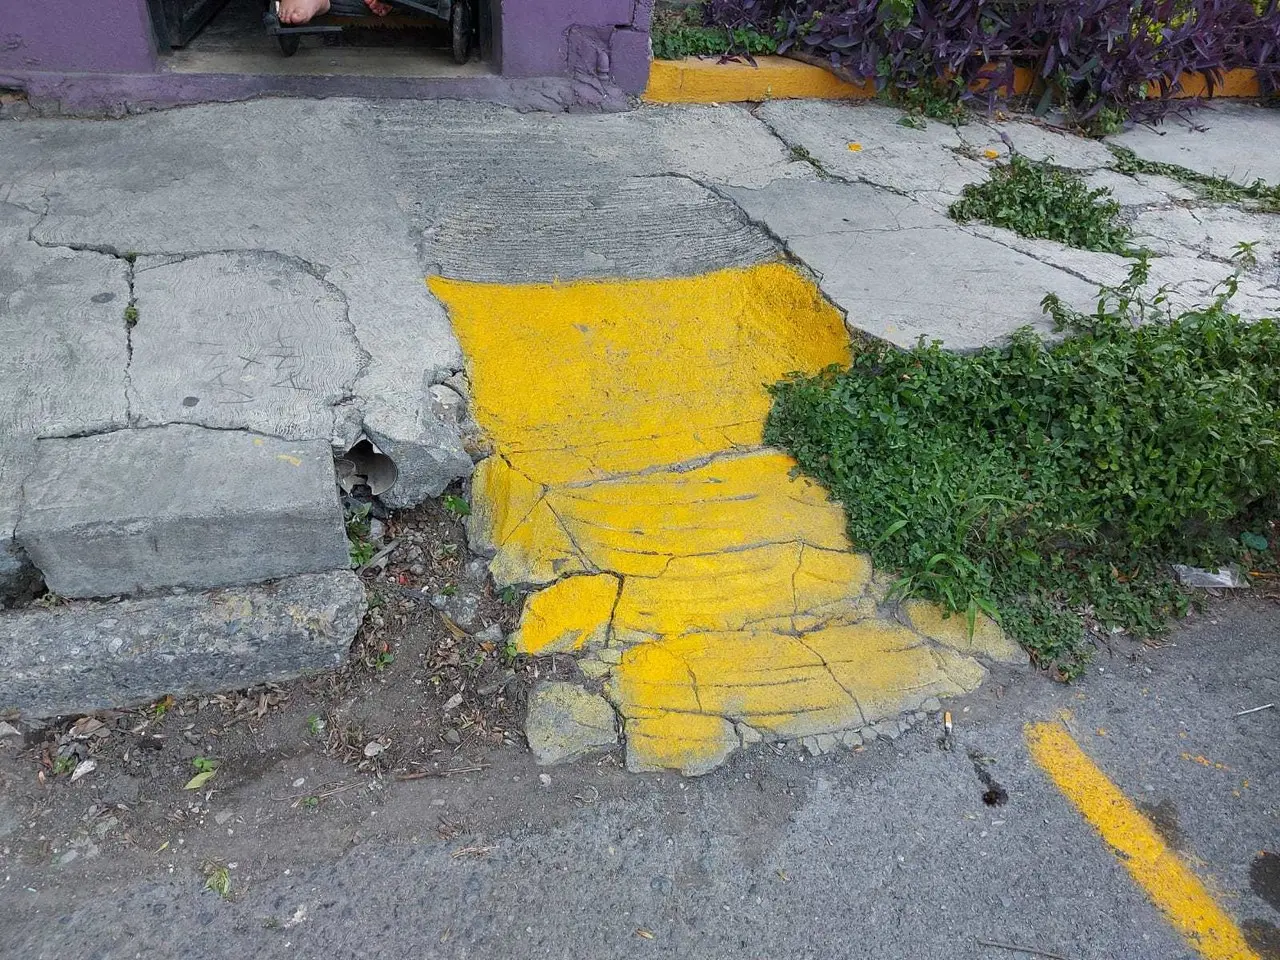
139,510
82,656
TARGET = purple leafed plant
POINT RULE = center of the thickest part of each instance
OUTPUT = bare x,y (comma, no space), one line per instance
1091,55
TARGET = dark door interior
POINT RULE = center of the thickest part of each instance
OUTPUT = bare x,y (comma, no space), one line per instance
177,21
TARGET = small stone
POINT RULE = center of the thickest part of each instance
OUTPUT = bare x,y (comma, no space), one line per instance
544,779
931,705
222,816
748,733
300,781
417,570
819,744
377,530
373,748
453,702
890,729
464,610
8,730
564,722
452,736
491,634
438,600
105,826
593,669
447,404
476,570
851,739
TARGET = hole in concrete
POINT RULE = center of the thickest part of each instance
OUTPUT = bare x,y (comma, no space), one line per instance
364,469
995,795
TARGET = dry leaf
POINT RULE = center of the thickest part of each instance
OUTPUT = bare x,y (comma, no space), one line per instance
83,768
642,932
199,780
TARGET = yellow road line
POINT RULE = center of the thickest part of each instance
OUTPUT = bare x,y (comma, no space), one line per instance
1167,881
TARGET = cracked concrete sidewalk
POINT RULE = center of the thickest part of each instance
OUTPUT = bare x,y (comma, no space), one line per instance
258,268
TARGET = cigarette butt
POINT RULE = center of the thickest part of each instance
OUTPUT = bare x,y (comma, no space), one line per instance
946,721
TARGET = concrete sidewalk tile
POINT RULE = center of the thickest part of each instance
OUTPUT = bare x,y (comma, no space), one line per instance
179,505
85,656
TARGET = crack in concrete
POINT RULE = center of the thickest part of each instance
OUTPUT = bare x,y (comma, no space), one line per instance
130,321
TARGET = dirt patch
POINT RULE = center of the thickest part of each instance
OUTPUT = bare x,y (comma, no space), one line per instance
422,699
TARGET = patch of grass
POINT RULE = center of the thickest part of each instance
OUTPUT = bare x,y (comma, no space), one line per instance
940,101
1053,484
64,765
1038,200
681,33
130,316
315,725
1256,195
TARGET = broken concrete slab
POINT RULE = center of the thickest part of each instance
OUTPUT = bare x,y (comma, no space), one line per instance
137,510
901,271
566,722
1139,190
868,144
62,322
243,340
79,657
427,449
1036,142
642,227
1238,141
1213,233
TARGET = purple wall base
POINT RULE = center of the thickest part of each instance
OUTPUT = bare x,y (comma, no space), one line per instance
118,94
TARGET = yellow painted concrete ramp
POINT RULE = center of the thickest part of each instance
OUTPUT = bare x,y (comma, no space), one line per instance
718,593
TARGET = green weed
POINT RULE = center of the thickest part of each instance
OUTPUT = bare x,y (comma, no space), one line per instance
1256,195
1054,483
457,505
1037,200
682,33
218,879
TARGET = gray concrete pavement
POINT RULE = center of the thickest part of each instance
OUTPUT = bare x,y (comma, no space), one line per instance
889,853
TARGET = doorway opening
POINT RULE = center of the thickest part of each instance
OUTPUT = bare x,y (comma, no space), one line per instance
245,37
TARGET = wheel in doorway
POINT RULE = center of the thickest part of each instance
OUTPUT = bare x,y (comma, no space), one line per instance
460,25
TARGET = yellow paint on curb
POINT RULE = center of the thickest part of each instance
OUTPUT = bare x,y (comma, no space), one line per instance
709,80
697,80
1167,881
628,476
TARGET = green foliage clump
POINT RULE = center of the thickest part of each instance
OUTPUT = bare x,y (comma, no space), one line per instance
1053,483
682,33
1038,200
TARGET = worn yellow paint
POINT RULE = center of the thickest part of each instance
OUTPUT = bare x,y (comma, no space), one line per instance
569,615
1167,881
986,639
694,80
628,473
583,381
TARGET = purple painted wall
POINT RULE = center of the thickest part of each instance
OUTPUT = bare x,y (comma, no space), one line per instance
82,36
593,41
552,54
